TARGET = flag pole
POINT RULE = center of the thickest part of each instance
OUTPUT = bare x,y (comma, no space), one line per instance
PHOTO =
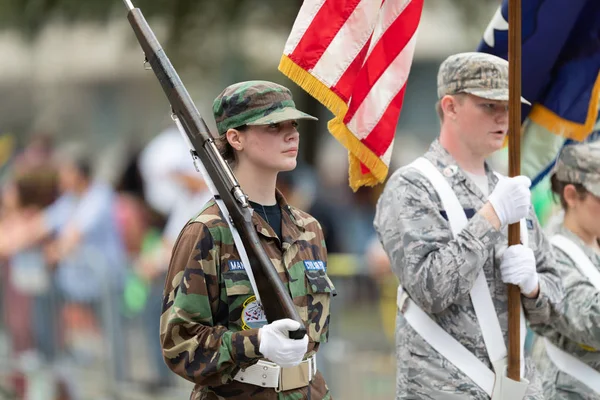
514,169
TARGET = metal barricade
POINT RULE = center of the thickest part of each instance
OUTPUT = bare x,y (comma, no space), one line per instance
359,360
55,346
66,338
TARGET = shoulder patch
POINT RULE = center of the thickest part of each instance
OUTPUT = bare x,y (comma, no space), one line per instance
529,224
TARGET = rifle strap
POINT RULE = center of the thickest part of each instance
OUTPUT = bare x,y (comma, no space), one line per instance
234,232
239,244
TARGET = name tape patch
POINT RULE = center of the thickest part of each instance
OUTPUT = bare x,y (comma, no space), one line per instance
235,265
314,265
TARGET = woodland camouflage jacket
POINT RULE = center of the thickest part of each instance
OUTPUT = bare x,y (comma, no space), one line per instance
209,321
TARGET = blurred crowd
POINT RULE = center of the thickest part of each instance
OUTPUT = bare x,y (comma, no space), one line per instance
82,259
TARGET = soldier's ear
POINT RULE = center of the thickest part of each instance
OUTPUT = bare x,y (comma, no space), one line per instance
235,139
571,196
448,105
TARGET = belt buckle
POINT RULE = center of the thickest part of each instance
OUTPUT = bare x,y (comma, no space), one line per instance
294,377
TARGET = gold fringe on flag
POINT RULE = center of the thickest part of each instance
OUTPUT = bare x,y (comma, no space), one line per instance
312,86
569,129
358,152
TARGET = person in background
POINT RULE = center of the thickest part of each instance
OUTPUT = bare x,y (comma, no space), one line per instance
568,355
174,189
84,244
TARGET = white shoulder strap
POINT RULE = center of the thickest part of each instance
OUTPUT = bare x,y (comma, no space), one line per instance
573,366
564,361
240,247
456,215
236,235
480,293
584,264
442,342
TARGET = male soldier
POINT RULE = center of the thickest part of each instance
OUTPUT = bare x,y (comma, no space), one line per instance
441,221
213,330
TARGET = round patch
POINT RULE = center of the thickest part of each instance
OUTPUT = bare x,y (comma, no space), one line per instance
450,171
253,316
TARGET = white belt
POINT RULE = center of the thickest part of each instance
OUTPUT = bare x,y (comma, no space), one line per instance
581,260
573,367
267,374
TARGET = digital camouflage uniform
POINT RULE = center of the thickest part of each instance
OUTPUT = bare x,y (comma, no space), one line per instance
577,331
438,271
207,331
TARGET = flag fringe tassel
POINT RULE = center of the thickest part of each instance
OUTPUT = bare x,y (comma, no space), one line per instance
312,86
569,129
358,152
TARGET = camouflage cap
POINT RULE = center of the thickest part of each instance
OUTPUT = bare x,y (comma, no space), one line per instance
480,74
580,163
254,103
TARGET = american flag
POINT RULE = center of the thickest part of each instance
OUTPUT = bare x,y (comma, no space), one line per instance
354,56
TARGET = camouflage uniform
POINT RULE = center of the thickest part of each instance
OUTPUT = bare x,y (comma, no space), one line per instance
206,334
438,271
255,103
577,331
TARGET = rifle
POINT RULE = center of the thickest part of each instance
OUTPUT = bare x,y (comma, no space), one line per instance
219,177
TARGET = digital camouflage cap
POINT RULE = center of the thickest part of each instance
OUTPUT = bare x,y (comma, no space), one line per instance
480,74
580,163
255,103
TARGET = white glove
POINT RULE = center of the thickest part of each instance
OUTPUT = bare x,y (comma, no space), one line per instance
276,345
511,199
518,268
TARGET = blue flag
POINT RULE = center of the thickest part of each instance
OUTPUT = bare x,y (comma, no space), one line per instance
560,66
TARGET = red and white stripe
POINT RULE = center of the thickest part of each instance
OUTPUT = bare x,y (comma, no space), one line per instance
362,51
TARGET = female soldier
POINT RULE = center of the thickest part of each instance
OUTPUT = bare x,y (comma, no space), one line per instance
571,362
213,331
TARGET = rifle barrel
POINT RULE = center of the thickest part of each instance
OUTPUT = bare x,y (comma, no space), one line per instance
129,4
